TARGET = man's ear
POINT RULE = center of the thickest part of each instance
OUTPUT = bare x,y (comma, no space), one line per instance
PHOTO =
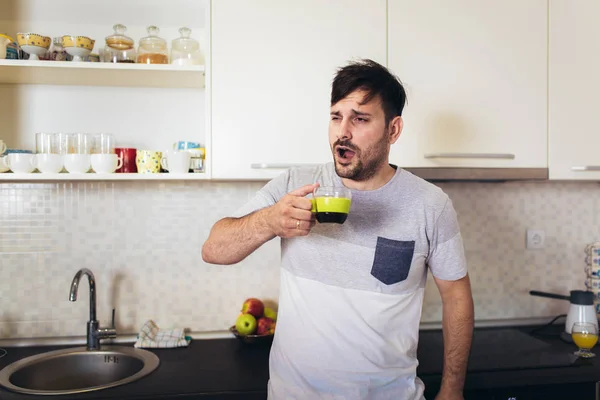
395,129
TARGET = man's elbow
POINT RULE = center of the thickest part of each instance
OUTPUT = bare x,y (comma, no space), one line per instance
211,255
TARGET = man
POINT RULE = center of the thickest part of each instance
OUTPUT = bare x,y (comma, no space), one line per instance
351,294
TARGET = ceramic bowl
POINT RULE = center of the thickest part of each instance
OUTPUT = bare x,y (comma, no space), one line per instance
33,39
3,167
33,44
252,339
81,42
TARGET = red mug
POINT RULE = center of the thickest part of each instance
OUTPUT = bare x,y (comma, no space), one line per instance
128,155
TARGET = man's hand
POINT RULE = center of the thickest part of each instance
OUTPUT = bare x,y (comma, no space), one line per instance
291,216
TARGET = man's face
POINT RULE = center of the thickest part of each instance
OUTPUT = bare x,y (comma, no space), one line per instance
358,137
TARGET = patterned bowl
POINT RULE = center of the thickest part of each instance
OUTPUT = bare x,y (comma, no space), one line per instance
82,42
252,339
33,39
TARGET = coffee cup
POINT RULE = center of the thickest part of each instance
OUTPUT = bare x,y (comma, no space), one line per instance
148,161
2,147
106,163
176,162
48,163
331,204
78,163
128,156
20,163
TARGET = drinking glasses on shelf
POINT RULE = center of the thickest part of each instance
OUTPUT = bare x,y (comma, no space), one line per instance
80,143
585,336
104,143
50,143
44,143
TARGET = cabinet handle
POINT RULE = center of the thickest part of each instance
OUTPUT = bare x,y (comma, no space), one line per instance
586,168
278,166
470,155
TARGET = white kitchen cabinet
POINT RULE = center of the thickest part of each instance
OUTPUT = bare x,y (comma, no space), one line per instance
476,77
143,106
574,87
272,66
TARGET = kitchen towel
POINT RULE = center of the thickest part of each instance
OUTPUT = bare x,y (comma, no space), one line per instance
153,337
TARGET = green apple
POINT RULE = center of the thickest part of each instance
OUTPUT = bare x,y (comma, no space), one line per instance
245,324
270,313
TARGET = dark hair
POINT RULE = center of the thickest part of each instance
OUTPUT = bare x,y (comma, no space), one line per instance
373,78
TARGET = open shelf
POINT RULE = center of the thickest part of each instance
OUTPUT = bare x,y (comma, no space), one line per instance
101,74
36,177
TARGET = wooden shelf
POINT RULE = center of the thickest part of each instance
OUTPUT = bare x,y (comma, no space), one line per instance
36,177
101,74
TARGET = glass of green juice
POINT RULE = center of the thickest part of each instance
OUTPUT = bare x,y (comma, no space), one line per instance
331,204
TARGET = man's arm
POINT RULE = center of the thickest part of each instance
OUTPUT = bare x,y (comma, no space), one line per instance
233,239
457,324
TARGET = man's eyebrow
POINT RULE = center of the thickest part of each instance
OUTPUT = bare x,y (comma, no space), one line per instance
355,112
361,113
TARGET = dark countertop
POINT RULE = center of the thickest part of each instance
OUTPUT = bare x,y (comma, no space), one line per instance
228,369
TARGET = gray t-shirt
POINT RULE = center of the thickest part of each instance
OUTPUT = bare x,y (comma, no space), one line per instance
351,294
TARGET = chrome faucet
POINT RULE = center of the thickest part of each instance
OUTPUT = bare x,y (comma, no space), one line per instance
94,332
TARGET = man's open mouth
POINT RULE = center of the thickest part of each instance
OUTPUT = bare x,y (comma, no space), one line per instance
344,154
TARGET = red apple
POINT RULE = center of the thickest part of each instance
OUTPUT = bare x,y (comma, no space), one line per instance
265,326
253,306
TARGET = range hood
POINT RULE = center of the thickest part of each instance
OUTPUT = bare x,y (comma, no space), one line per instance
437,174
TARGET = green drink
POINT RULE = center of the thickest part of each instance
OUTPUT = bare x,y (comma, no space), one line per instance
331,204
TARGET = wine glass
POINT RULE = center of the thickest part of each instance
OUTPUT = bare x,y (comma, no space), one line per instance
585,336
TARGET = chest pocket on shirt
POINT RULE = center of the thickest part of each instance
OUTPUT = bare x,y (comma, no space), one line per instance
392,260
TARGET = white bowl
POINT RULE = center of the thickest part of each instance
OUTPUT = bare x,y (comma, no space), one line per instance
78,53
3,168
34,51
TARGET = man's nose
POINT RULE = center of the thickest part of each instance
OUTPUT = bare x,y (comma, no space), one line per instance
345,132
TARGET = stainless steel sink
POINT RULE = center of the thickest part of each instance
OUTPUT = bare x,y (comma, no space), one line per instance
78,370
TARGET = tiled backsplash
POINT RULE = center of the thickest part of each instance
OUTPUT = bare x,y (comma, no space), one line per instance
143,242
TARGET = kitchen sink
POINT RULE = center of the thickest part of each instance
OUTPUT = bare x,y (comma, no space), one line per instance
78,370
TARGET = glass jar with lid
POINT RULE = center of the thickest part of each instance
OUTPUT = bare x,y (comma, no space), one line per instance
119,48
185,50
152,48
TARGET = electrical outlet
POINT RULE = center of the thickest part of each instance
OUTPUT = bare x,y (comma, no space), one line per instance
536,239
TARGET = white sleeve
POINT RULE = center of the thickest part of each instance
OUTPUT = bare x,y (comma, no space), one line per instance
267,196
446,258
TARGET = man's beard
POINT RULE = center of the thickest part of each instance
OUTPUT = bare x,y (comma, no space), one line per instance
367,164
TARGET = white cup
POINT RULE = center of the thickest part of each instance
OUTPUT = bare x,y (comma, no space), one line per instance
106,163
78,163
48,163
176,162
20,163
2,147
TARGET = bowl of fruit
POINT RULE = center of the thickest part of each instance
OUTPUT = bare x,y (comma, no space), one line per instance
255,323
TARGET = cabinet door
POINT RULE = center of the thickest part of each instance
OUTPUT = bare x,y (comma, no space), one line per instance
272,66
476,77
574,88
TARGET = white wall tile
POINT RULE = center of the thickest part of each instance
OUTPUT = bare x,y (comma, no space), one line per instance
143,242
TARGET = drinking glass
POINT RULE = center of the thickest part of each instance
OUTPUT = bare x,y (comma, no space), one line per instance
331,204
585,336
80,143
104,143
44,143
51,143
